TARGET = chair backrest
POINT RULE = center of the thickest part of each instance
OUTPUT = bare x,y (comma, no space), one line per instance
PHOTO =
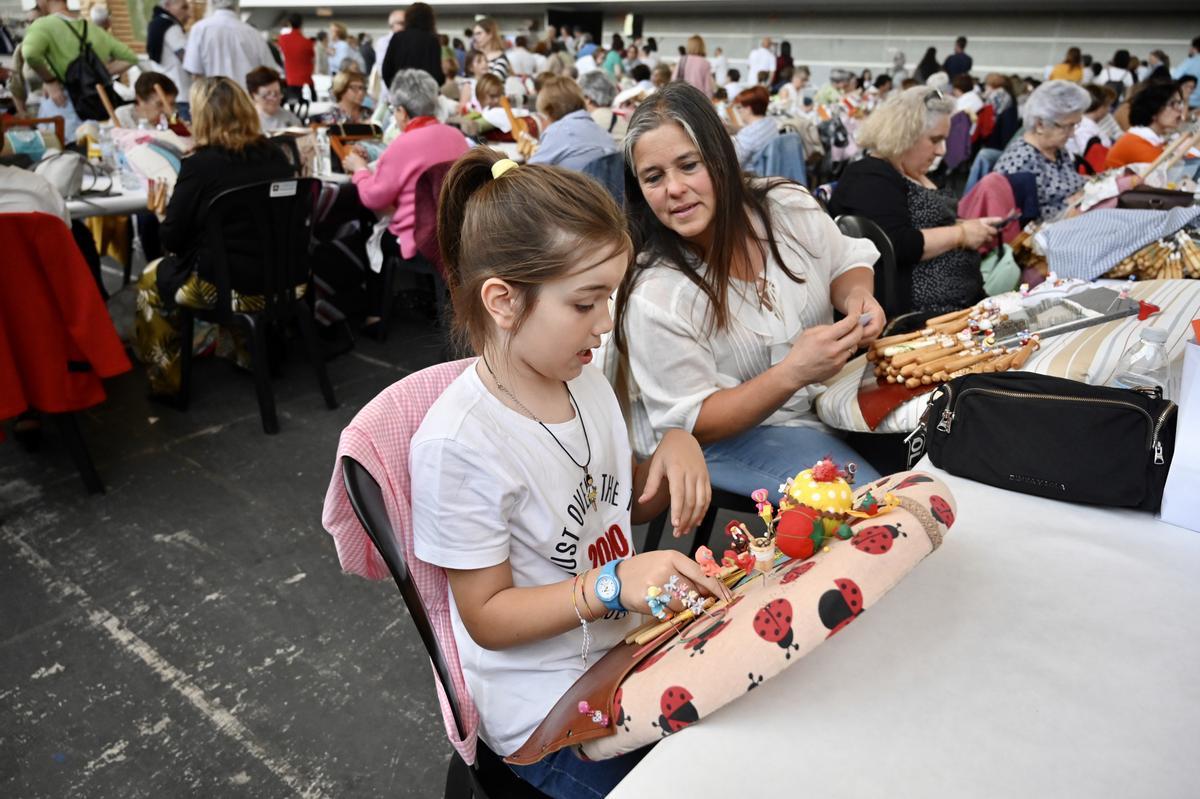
378,438
783,157
281,212
366,497
887,278
609,171
9,121
429,188
958,141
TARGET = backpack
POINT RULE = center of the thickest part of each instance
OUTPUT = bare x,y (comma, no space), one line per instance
83,75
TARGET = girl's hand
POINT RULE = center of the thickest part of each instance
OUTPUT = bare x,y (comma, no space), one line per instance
820,352
861,302
680,460
655,568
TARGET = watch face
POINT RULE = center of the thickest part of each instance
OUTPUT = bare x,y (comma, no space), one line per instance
606,587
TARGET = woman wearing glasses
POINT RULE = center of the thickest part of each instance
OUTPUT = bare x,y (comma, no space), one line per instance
1051,114
937,262
349,90
266,91
1154,114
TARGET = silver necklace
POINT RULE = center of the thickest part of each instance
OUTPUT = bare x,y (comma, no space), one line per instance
588,482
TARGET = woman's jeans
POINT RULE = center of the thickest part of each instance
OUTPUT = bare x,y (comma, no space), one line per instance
766,457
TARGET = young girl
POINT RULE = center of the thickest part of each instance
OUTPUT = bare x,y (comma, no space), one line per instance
524,485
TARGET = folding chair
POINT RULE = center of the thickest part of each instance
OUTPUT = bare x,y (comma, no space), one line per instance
282,212
369,526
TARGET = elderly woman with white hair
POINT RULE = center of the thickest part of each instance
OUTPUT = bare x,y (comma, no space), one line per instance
1050,115
599,91
936,253
424,142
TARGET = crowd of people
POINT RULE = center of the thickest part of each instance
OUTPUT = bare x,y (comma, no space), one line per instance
735,295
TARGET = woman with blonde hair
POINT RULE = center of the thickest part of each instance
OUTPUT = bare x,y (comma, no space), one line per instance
230,151
348,90
936,256
486,38
341,55
694,68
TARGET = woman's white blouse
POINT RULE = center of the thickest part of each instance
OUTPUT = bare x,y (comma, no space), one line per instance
677,359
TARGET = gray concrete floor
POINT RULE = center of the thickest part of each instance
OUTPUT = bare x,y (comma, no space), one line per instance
190,633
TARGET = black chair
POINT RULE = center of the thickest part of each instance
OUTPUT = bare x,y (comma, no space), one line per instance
299,108
427,261
720,499
489,777
887,277
282,215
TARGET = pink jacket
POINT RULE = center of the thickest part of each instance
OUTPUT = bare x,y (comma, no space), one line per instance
378,438
696,70
393,184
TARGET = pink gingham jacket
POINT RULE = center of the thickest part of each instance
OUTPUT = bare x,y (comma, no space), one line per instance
378,438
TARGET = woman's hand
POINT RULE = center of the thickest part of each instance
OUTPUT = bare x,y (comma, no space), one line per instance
860,302
353,162
680,460
821,352
978,232
655,568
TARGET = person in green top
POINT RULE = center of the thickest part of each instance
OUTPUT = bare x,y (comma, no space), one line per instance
49,47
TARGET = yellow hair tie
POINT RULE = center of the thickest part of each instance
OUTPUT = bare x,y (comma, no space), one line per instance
502,166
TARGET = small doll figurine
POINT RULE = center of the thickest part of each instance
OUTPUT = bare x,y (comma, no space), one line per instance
740,535
704,556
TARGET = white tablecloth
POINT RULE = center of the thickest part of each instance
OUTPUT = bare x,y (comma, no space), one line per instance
120,201
1045,650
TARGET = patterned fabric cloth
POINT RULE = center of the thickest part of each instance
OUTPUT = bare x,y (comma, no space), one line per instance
1089,355
1057,180
378,438
777,618
950,280
1089,245
156,329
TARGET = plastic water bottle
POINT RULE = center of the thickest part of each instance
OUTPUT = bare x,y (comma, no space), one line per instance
1145,364
128,177
107,149
323,165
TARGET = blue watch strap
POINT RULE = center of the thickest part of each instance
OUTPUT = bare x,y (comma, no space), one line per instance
609,570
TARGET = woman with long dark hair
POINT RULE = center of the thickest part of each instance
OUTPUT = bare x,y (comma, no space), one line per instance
737,278
415,47
928,66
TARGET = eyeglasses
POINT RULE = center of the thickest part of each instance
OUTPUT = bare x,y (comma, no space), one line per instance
271,95
357,87
1068,127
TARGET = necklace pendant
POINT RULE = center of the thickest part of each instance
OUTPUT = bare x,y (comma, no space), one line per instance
591,491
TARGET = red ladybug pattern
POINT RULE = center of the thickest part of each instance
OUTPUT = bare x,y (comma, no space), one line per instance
619,712
837,608
796,572
677,710
941,510
878,539
773,623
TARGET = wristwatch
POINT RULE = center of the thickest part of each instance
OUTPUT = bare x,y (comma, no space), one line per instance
608,586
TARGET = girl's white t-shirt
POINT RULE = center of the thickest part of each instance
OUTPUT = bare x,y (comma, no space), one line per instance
489,485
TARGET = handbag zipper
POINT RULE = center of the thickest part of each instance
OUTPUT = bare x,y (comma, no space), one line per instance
1156,425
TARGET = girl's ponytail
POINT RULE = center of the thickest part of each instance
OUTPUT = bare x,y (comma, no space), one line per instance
469,174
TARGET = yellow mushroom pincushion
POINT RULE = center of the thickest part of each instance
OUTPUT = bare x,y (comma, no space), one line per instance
823,487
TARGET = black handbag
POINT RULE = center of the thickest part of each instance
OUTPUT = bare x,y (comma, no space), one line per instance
1052,437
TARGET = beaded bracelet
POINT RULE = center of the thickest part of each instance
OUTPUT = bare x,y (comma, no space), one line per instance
587,634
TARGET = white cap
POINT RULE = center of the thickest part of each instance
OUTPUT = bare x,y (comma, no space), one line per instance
1154,334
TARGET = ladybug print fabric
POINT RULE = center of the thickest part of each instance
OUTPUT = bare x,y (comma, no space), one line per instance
778,618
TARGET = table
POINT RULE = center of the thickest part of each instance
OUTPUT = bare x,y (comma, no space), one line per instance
1089,355
118,202
1044,650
